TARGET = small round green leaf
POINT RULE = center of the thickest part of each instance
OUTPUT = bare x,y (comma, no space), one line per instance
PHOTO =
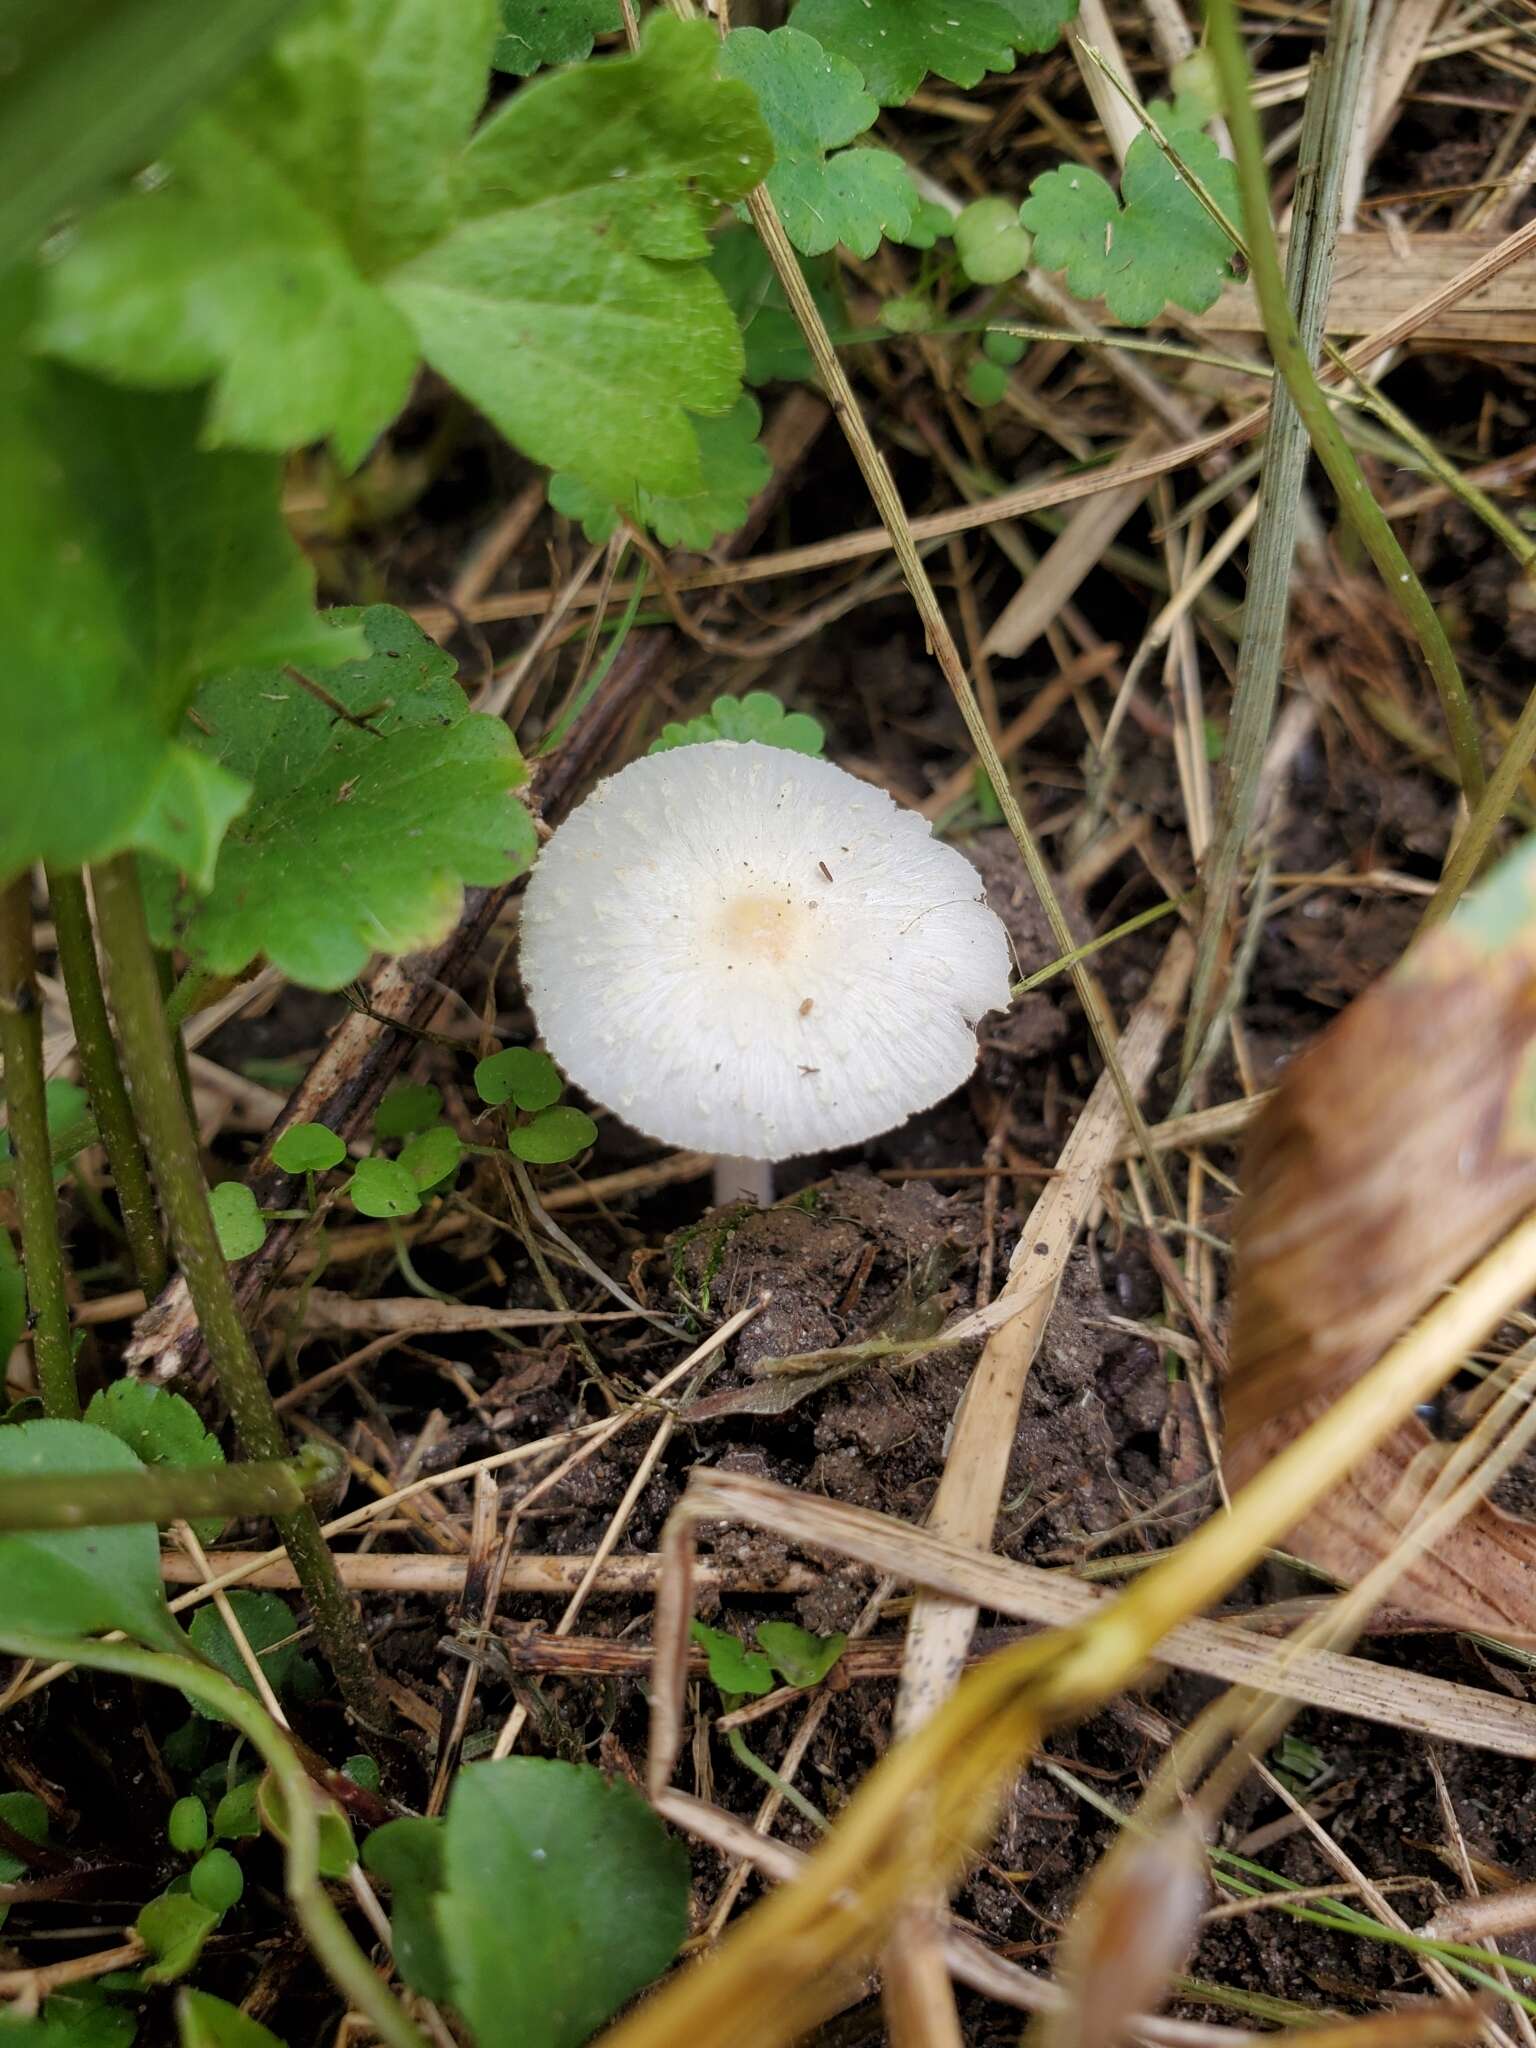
216,1880
187,1828
732,1666
235,1817
909,314
799,1657
584,1871
160,1428
407,1109
433,1156
308,1148
518,1074
173,1928
1006,349
382,1187
985,383
990,242
203,2021
554,1134
237,1219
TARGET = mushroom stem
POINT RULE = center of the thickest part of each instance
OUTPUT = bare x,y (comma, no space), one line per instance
743,1180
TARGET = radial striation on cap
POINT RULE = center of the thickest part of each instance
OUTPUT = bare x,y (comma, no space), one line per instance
745,950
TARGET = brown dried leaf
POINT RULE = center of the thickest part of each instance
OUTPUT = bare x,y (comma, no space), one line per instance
1399,1147
1133,1930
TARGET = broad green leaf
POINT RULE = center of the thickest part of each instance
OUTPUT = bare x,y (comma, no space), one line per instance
408,1856
333,221
90,87
237,1219
732,1666
433,1156
733,469
187,1828
1160,246
585,1876
407,1109
173,1928
267,1624
141,566
203,2021
26,1813
554,1134
336,1849
308,1148
382,1187
799,1657
770,332
80,1581
814,102
894,44
538,32
520,1075
235,1817
160,1428
372,804
756,716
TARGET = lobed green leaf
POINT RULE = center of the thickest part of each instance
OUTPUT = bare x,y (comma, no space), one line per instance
896,43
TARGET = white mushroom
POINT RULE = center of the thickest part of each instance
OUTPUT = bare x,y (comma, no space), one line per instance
750,952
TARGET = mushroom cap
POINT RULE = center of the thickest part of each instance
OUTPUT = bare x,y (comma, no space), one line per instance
749,951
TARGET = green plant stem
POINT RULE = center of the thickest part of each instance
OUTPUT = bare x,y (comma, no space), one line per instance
770,1777
1120,931
166,1493
1266,607
103,1078
1468,854
21,1047
887,499
161,1112
339,1955
1356,503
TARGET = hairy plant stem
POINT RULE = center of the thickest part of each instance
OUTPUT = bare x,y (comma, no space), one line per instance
166,1493
160,1110
1309,276
104,1080
1357,505
21,1047
324,1929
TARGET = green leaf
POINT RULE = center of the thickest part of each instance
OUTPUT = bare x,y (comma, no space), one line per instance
990,243
587,1875
895,44
756,716
337,1851
554,1134
770,332
80,1581
407,1109
160,1428
537,32
71,1127
308,1148
732,469
26,1813
518,1074
929,225
1161,246
732,1666
362,1770
814,102
235,1817
13,1299
333,221
216,1880
799,1657
91,86
173,1928
77,2018
986,383
266,1622
408,1856
142,566
433,1157
382,1187
370,811
236,1217
203,2021
187,1828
